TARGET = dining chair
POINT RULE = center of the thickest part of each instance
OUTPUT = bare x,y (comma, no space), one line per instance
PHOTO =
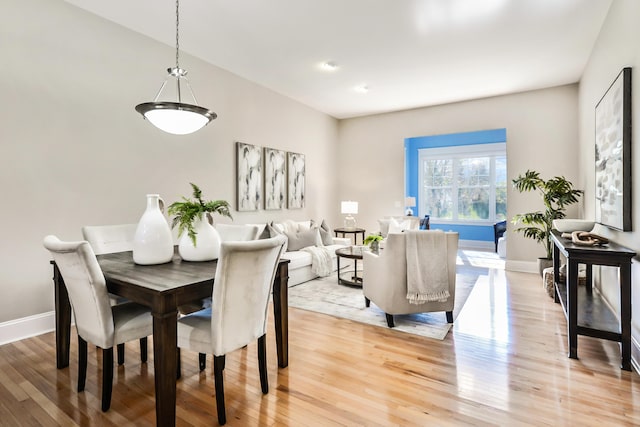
228,233
107,239
97,321
238,314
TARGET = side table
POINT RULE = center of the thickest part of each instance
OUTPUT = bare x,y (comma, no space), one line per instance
354,231
354,253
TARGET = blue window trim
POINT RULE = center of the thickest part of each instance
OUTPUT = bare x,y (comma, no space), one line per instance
411,147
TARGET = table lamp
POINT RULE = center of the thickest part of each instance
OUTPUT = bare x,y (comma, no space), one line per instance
349,208
409,202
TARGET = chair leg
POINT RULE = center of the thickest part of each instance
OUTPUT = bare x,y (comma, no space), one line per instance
143,349
120,354
367,302
390,320
202,361
262,363
107,378
218,367
82,363
449,316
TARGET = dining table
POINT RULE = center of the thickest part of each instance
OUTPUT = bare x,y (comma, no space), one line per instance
163,288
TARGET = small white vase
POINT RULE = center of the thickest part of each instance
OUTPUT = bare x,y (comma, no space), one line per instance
207,246
153,242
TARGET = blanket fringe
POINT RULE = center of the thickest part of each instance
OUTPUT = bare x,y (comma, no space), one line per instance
415,298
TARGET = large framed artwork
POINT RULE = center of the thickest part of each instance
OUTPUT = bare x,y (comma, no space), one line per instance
248,176
275,166
613,154
295,180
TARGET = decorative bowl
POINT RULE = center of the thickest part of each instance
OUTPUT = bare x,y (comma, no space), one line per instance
567,225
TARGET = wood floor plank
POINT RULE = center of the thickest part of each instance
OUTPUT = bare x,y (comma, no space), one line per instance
503,363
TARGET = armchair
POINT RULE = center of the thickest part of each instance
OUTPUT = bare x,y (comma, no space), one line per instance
385,276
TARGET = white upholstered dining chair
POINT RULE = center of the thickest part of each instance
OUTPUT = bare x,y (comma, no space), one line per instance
97,321
237,232
386,275
108,239
238,314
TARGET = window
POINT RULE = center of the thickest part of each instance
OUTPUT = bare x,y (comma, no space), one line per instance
464,184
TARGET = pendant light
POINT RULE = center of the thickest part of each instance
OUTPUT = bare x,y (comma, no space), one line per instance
178,117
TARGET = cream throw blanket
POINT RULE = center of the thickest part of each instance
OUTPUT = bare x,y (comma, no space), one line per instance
321,262
427,272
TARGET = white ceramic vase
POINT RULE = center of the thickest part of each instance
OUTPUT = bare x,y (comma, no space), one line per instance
153,242
207,246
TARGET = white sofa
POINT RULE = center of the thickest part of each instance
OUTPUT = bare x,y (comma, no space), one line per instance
300,261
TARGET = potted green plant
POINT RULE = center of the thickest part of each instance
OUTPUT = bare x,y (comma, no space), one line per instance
199,240
557,193
373,241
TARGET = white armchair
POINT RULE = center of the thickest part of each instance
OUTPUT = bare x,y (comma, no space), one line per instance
385,276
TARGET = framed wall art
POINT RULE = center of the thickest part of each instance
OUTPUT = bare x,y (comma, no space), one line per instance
248,176
295,180
275,166
613,154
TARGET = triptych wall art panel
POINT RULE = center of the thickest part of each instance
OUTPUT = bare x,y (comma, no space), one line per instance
295,180
279,173
249,176
275,167
613,154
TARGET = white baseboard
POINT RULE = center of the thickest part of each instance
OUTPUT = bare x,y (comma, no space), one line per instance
476,244
27,327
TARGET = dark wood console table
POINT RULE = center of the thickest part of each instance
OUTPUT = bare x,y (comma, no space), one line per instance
587,314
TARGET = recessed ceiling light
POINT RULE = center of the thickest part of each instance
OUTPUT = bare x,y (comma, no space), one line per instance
329,66
361,88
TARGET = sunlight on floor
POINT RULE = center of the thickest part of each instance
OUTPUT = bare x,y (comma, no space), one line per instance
481,259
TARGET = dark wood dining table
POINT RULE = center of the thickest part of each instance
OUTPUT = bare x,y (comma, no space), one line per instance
164,287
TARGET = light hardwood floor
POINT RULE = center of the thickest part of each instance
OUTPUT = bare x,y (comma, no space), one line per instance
504,363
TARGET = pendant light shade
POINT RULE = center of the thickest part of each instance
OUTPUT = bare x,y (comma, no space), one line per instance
178,118
175,117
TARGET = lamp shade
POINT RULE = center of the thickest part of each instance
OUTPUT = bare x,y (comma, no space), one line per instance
176,118
349,207
410,201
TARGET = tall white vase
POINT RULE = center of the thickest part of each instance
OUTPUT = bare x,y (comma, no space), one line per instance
153,242
207,245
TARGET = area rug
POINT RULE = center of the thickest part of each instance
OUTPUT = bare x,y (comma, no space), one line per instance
325,295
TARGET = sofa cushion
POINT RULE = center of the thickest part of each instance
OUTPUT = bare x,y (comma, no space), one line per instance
298,259
302,239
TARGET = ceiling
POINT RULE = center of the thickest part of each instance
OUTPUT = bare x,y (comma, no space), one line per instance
408,53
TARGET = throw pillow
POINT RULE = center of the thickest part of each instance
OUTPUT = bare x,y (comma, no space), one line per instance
273,232
325,233
302,239
384,226
398,226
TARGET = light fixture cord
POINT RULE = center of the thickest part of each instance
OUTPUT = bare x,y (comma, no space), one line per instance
177,39
178,48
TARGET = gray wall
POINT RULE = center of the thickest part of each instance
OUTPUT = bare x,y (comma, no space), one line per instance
541,135
618,46
73,150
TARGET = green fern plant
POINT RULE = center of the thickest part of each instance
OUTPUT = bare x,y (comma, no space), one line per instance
187,211
557,193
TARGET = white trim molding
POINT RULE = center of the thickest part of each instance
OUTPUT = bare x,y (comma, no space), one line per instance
26,327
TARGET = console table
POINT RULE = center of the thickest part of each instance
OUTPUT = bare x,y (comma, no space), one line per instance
586,312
